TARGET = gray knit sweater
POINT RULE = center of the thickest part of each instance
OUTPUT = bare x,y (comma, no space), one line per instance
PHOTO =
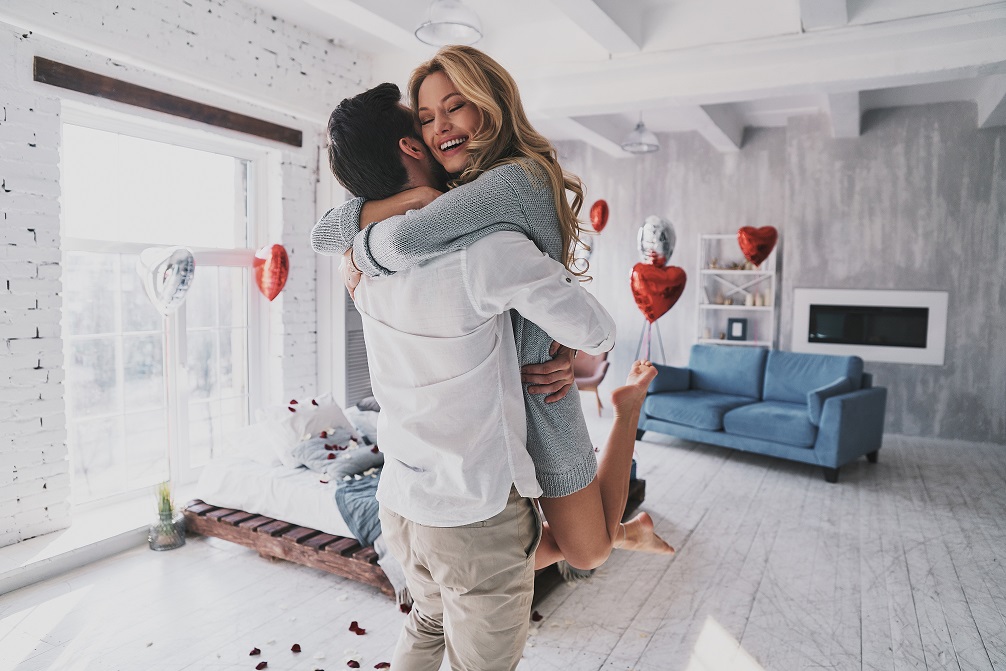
505,198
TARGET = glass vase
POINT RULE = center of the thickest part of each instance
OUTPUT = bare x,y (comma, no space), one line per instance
168,532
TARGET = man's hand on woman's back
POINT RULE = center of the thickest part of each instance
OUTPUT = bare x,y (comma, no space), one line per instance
554,377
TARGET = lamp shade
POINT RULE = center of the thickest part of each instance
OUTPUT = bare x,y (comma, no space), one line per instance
641,140
449,22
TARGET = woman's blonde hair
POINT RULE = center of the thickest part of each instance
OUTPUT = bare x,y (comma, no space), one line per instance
506,135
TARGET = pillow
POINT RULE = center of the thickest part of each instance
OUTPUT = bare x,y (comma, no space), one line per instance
252,442
369,403
337,456
298,420
365,422
817,397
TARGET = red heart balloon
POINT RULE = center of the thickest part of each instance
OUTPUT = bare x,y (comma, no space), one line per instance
599,215
757,243
272,266
656,289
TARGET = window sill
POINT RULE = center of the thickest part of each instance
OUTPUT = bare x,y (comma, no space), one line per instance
93,535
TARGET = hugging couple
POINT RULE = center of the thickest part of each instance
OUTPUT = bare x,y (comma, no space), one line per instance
464,237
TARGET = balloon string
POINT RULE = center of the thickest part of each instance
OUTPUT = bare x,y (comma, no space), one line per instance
646,340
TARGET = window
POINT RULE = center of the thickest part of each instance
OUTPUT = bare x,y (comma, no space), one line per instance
149,397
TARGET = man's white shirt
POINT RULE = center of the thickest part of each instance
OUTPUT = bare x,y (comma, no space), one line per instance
444,368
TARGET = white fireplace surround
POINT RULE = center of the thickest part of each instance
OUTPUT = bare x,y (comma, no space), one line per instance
936,336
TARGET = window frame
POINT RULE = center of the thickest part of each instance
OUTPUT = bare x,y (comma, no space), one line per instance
264,190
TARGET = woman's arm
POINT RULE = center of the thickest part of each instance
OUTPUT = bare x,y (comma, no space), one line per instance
334,232
489,204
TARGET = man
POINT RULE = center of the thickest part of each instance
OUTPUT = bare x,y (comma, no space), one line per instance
457,484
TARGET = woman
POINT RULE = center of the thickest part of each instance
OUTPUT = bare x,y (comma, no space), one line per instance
506,177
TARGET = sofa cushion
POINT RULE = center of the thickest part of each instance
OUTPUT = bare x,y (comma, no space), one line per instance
817,397
728,369
772,420
696,408
790,375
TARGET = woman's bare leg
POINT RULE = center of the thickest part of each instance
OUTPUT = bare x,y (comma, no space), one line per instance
584,526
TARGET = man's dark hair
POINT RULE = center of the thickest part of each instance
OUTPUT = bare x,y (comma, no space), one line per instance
363,135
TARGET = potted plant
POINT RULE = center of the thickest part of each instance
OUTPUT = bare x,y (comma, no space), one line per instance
168,532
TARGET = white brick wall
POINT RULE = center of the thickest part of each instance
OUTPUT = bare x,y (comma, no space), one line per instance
221,52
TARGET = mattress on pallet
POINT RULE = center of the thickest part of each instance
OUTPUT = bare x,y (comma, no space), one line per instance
294,495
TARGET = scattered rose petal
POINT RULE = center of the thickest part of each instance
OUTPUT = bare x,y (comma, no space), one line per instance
353,664
323,434
295,647
319,655
293,401
330,447
383,665
331,455
314,402
536,616
261,665
292,409
271,641
255,651
374,449
405,607
357,629
324,482
597,449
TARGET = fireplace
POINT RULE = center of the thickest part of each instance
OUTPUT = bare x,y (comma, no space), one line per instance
877,325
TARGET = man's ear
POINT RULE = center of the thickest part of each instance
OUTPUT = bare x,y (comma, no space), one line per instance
412,147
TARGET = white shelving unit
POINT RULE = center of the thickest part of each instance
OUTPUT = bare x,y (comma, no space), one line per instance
728,293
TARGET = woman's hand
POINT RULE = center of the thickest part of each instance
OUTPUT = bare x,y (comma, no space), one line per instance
351,275
400,203
554,377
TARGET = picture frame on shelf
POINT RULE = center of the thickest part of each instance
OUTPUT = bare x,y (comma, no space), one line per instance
737,328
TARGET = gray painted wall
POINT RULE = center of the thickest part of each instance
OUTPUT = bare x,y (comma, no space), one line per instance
917,202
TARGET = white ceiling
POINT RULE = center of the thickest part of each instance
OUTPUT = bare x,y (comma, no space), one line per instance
588,68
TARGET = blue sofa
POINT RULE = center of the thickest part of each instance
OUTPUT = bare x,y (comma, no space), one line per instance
812,408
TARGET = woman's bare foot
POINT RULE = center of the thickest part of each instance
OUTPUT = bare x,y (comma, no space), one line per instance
638,536
629,399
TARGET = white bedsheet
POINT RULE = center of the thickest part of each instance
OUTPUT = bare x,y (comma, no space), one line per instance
293,495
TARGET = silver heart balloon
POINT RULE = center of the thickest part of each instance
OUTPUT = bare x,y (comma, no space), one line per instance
166,274
656,240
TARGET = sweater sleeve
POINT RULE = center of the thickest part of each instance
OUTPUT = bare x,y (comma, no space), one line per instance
334,232
489,204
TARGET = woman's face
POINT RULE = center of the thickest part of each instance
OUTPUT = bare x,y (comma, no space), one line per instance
448,121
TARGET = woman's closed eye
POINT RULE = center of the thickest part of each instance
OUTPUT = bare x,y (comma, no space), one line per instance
423,122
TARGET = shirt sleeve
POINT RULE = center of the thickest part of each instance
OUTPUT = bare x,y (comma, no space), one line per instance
334,232
467,213
506,271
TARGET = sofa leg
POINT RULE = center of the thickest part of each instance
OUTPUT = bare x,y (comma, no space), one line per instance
872,456
639,434
831,475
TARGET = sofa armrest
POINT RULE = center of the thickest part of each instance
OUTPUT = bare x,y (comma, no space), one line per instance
670,378
852,425
817,397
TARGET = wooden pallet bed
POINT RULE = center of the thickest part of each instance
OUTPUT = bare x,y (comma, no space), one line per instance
276,539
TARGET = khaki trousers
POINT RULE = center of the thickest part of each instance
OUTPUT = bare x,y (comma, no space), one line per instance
472,587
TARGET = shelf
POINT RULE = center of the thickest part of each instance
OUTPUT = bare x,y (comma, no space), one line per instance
749,343
737,284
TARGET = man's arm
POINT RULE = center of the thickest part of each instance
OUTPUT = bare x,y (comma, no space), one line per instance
506,271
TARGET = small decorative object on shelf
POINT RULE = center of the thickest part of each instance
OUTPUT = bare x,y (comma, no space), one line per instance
737,328
168,532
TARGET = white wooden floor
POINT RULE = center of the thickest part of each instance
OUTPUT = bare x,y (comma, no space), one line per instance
899,566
